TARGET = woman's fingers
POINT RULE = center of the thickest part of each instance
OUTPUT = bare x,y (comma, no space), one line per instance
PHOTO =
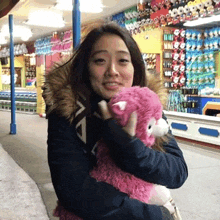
104,110
130,128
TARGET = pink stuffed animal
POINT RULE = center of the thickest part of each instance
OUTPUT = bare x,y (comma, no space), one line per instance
150,124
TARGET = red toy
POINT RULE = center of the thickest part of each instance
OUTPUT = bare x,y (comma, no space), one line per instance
182,79
175,79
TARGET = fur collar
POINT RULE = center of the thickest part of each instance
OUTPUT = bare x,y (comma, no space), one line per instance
58,95
57,92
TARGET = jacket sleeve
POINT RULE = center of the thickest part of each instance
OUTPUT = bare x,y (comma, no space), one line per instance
80,193
131,155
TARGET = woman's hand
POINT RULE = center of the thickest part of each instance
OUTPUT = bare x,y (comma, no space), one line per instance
131,125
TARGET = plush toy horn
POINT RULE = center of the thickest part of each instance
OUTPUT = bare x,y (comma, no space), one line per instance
161,128
121,105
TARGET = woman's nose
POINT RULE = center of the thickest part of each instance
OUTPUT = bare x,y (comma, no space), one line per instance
112,69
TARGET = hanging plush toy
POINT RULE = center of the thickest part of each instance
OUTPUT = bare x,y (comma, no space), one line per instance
201,9
160,5
182,15
193,45
155,8
169,18
193,9
176,45
175,55
217,5
182,66
209,7
175,16
194,67
163,21
211,44
182,44
167,4
182,79
188,34
193,36
188,45
211,33
176,34
199,35
175,79
182,34
182,55
175,66
199,45
187,12
156,22
200,67
175,3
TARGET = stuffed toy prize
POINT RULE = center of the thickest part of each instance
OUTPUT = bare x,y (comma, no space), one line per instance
181,13
187,12
169,18
182,79
150,125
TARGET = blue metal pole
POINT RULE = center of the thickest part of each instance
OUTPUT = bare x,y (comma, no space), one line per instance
12,70
76,21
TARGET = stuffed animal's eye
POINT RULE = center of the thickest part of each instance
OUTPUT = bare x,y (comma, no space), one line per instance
150,126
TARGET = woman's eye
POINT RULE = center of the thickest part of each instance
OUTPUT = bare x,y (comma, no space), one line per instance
124,60
99,61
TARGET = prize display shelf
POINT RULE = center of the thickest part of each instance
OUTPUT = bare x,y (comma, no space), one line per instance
25,100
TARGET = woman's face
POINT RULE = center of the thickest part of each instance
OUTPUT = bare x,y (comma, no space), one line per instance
110,66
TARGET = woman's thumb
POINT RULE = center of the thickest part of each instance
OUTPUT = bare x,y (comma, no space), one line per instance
104,110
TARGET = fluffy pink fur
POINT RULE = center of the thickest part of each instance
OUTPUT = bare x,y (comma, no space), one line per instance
142,100
147,104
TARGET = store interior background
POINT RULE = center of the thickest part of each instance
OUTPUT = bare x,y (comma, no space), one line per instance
186,57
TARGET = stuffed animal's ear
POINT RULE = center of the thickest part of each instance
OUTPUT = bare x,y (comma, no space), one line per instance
121,104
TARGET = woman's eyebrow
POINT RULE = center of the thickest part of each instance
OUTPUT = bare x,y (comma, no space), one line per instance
123,51
105,51
98,51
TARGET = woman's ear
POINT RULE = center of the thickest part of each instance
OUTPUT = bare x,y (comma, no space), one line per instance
118,108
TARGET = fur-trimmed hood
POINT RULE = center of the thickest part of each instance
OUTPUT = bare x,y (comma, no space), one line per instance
59,96
57,92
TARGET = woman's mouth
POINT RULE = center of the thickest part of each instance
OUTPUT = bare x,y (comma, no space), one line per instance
111,85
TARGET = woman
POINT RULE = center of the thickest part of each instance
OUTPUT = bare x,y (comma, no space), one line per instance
107,60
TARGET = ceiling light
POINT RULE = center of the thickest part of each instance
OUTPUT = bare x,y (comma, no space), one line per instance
202,21
18,31
46,18
89,6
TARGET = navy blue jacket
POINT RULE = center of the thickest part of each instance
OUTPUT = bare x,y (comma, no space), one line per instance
89,199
